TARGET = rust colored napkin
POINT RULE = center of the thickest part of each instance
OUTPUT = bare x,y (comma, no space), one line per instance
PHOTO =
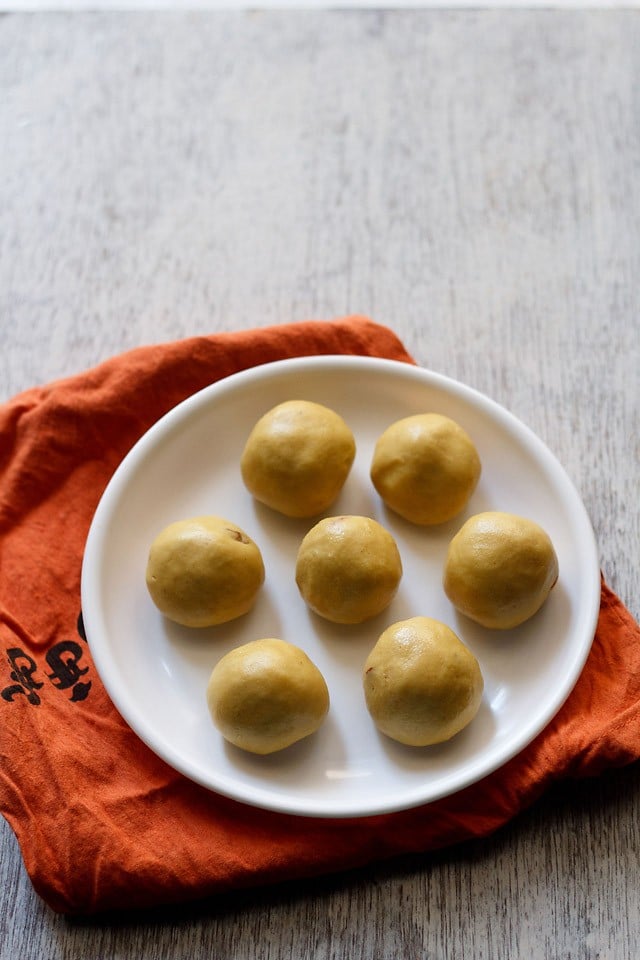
103,823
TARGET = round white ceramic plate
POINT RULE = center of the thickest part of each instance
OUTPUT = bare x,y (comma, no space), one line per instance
156,672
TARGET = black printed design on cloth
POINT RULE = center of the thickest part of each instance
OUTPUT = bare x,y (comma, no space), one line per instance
62,669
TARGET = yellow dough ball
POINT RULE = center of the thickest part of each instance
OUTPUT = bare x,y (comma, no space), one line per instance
425,468
422,685
297,458
500,569
266,695
204,571
348,569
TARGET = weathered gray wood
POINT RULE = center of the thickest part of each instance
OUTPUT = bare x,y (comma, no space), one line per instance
469,178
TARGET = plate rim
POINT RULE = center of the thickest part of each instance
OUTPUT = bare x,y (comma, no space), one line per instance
264,798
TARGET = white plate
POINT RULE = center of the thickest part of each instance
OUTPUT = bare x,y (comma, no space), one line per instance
156,672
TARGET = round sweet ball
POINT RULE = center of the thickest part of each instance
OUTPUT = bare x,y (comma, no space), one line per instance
266,695
422,684
204,571
425,468
499,569
348,569
297,458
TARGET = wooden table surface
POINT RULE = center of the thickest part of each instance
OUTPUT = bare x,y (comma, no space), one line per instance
469,178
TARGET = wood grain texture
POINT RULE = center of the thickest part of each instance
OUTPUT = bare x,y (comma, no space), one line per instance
470,179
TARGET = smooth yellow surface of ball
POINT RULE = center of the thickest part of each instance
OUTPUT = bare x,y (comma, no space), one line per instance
266,695
422,685
425,468
204,571
348,568
297,458
499,569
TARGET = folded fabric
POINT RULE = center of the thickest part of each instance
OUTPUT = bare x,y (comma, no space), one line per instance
102,822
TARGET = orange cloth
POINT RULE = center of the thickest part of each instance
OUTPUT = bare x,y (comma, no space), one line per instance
101,821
